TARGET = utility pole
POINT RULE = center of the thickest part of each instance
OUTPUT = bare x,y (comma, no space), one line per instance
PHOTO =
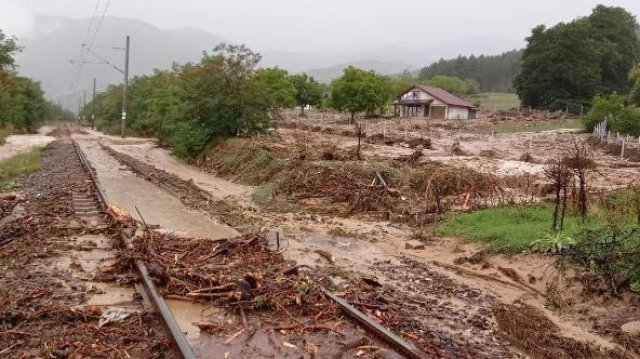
124,86
93,106
84,104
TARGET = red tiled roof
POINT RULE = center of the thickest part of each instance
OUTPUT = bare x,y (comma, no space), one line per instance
444,96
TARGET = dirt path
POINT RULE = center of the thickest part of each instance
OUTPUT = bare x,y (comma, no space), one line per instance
129,191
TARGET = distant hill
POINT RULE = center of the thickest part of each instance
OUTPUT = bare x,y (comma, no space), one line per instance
46,56
383,67
56,41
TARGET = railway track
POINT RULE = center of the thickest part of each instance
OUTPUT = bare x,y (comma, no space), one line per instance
88,208
399,344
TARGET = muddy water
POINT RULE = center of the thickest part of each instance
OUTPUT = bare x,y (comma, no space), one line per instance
89,253
219,188
128,191
15,144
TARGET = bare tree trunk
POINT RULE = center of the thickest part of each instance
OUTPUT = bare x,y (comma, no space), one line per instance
554,224
564,205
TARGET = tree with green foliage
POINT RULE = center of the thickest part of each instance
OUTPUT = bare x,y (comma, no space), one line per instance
616,110
193,105
361,91
493,73
22,102
567,65
8,48
278,85
449,83
308,91
634,77
26,105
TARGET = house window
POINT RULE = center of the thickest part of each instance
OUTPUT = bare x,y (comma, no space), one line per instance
415,94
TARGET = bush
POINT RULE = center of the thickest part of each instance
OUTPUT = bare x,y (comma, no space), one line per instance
619,115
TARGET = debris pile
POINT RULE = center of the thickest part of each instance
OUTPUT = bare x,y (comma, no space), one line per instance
41,308
241,274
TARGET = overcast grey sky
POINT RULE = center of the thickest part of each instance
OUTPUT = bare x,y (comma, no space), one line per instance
332,26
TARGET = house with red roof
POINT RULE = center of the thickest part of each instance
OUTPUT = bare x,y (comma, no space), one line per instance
433,103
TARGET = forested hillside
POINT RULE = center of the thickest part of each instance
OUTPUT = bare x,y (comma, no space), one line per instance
494,73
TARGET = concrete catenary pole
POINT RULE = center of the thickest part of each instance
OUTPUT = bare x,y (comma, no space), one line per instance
93,106
124,87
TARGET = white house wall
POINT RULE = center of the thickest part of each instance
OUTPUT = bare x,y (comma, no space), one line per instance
458,113
422,96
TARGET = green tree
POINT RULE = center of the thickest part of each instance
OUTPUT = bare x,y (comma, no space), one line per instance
615,109
361,91
616,30
634,76
193,105
570,63
560,67
8,48
308,91
449,83
493,73
24,104
278,85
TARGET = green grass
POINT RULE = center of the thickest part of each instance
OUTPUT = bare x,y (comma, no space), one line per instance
20,164
511,229
495,101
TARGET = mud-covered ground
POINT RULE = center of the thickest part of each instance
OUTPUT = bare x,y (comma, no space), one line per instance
436,310
252,296
44,310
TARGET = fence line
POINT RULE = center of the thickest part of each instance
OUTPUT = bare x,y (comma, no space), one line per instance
625,141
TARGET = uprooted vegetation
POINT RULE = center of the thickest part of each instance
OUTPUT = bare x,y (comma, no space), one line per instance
403,191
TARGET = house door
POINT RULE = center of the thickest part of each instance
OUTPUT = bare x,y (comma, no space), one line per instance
438,112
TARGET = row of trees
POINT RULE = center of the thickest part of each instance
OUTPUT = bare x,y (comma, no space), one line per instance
22,102
226,94
565,66
491,73
453,84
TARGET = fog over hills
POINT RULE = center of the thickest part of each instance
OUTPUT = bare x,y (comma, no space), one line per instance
56,40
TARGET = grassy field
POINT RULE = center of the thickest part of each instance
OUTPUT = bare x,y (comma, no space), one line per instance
510,229
495,101
20,164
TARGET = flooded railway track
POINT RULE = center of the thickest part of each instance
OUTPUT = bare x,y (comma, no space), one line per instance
86,206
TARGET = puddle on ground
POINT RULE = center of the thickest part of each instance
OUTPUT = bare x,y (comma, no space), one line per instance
345,252
186,313
265,343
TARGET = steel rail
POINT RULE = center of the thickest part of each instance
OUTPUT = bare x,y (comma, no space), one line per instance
158,302
405,348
